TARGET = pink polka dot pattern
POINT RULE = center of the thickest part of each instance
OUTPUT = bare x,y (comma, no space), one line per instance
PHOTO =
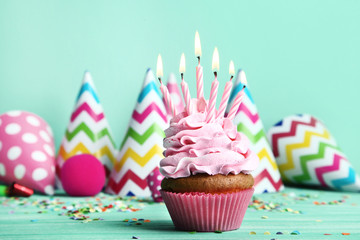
26,151
154,182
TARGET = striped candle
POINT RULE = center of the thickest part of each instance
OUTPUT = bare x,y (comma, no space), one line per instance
224,99
236,104
163,88
184,85
186,94
167,98
199,81
214,87
212,100
199,68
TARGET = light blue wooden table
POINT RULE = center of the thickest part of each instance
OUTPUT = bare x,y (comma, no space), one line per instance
310,212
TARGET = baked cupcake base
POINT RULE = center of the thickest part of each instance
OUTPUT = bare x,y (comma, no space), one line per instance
207,212
203,182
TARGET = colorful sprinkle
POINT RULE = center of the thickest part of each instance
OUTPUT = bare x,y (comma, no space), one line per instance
295,233
261,205
279,233
217,231
135,221
264,217
334,202
252,233
77,210
267,233
345,233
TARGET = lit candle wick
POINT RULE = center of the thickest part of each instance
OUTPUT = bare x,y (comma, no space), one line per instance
214,88
163,88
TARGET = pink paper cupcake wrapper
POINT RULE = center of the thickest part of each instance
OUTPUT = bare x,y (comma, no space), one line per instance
205,212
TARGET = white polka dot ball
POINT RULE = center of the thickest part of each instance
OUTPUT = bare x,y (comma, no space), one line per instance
27,151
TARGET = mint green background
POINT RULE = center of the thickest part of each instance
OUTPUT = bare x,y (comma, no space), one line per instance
299,56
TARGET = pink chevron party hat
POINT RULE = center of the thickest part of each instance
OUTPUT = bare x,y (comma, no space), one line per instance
141,149
307,154
267,176
88,131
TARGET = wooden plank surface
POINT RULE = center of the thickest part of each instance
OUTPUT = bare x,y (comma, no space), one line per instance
311,212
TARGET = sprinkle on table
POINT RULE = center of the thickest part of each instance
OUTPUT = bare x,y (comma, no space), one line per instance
135,221
279,233
78,210
261,205
252,233
295,233
345,233
267,233
334,202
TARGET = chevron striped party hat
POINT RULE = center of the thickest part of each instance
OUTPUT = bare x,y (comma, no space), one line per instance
267,177
307,154
141,149
88,130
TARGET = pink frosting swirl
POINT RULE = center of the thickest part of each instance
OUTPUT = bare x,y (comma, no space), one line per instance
194,146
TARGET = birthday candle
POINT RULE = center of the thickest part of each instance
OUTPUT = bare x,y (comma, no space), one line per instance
163,88
214,88
236,104
227,90
199,68
184,85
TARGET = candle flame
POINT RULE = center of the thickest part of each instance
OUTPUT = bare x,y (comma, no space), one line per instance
231,68
215,60
182,64
197,45
242,77
159,67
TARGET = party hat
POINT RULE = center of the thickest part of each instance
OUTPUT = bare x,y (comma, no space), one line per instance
88,130
141,149
175,95
307,154
267,177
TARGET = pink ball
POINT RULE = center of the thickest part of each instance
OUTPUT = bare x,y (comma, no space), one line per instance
27,154
154,182
82,175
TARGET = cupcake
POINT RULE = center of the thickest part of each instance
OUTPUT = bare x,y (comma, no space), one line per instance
207,165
